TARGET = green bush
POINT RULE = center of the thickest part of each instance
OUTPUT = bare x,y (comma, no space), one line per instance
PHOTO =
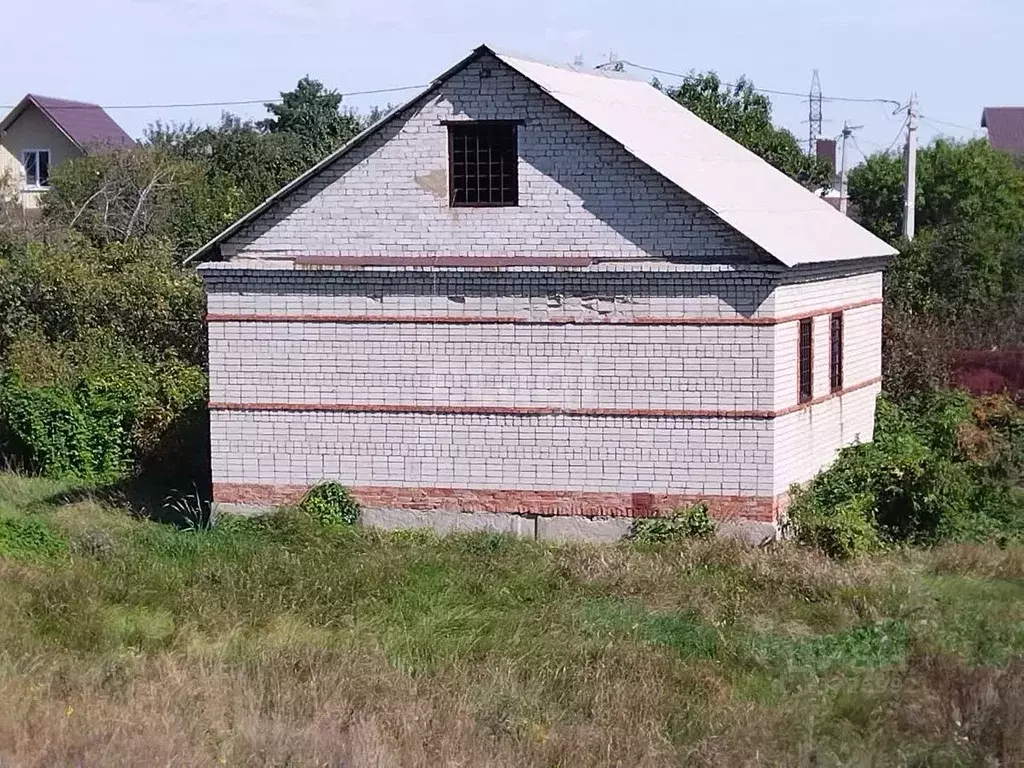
691,522
842,531
942,468
330,504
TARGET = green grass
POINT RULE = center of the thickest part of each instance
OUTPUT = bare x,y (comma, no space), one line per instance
130,642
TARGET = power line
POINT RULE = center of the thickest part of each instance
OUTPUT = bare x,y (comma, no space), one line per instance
899,135
244,102
973,129
768,90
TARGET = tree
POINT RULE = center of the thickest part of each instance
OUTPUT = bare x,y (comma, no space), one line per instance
968,251
745,115
113,197
313,113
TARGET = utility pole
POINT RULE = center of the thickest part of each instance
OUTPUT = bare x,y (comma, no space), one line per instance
910,193
846,134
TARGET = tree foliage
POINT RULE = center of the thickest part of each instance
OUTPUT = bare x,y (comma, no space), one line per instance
745,115
314,114
186,183
970,225
101,349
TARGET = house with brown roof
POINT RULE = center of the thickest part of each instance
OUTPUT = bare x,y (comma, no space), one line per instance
1005,128
42,132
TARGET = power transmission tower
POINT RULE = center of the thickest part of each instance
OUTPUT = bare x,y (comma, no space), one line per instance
910,193
814,100
846,134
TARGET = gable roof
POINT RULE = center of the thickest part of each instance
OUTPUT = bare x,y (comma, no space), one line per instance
763,204
85,125
1005,128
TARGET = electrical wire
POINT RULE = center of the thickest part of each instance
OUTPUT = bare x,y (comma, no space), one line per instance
972,129
765,90
245,102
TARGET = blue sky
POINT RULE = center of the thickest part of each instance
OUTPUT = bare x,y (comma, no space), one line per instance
957,54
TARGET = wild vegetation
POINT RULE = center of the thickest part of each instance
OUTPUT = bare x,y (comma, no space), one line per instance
127,642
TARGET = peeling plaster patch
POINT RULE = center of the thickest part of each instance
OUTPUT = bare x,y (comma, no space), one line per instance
435,182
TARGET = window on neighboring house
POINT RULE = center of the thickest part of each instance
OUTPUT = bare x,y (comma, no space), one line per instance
37,167
806,355
836,352
483,162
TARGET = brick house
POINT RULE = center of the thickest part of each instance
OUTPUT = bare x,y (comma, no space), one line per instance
542,300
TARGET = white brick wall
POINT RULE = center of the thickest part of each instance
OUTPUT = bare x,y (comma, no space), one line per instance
717,457
600,361
806,442
579,193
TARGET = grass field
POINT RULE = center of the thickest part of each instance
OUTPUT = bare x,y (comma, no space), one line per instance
126,642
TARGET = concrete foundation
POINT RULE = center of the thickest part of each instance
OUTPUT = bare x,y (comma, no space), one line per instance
597,530
556,529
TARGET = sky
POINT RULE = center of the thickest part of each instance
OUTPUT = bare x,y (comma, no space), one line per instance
958,55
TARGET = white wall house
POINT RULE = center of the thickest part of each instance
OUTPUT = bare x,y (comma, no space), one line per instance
540,299
42,132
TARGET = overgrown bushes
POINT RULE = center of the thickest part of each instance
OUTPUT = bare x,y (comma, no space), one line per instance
100,360
944,467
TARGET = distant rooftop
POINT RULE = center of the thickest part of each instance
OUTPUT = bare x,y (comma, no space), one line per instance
1005,128
86,124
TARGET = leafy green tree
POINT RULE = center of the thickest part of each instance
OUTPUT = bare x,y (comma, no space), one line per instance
313,113
970,225
745,115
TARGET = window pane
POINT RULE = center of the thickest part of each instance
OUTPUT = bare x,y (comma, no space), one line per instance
30,168
836,352
43,166
483,164
806,360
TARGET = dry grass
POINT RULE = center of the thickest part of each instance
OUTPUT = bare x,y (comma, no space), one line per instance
136,644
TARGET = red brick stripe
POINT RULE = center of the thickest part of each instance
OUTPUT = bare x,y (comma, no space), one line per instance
445,261
218,317
546,503
517,410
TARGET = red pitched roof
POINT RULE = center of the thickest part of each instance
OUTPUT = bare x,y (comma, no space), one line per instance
87,125
1005,128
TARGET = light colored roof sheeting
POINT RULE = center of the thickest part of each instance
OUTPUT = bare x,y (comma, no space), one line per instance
760,202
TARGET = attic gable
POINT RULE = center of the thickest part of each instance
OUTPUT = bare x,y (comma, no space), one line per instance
769,212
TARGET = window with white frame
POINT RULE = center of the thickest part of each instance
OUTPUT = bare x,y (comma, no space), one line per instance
37,167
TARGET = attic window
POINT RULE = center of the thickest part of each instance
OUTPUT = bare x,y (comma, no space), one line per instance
483,160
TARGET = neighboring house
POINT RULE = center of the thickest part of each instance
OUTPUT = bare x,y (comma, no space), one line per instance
41,132
1005,128
541,300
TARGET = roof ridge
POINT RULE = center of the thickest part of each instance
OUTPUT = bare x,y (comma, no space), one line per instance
38,96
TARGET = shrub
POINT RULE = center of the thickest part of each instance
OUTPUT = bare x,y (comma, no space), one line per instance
941,468
27,538
691,522
100,425
331,504
842,531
